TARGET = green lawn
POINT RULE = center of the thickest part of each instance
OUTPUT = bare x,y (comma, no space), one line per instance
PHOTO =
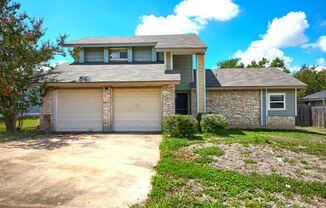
30,128
191,183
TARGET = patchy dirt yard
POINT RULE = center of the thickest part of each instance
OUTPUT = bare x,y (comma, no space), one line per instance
242,168
262,159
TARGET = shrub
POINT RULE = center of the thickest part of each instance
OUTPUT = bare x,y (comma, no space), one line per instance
180,126
211,123
199,116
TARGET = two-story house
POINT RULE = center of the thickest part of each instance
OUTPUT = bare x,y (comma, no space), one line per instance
129,83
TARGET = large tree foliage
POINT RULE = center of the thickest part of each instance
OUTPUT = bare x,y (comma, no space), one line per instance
230,63
23,53
236,63
316,80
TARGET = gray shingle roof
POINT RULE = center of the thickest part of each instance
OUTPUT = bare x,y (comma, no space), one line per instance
316,96
250,77
70,72
159,41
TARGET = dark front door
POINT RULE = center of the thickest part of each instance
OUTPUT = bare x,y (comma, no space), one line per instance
181,103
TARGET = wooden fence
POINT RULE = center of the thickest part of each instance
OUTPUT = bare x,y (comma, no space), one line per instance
318,116
311,116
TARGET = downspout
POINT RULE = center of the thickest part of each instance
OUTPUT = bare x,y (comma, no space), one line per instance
266,104
296,102
197,88
204,87
261,108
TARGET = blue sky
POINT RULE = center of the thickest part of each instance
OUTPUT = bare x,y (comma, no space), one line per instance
226,26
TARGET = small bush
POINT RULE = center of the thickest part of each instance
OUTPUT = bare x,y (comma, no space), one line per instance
180,126
199,116
209,151
211,123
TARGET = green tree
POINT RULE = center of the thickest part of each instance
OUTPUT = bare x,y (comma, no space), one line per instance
230,63
278,62
253,64
316,80
23,53
261,64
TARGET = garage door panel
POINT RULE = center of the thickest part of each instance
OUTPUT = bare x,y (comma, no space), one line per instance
137,109
79,110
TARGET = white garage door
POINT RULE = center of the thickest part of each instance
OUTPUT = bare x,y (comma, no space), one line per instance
79,110
137,110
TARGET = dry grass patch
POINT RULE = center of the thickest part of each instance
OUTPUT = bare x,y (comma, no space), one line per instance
262,159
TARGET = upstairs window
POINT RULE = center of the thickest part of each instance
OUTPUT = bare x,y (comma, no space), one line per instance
118,54
276,101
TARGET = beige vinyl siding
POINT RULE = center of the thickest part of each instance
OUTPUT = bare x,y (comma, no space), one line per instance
142,54
94,54
79,110
167,61
137,109
183,63
200,87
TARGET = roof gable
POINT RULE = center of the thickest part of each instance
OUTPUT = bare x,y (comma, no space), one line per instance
316,96
251,77
159,41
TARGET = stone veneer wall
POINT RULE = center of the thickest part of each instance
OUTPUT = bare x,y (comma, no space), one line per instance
240,107
46,112
168,100
281,122
107,109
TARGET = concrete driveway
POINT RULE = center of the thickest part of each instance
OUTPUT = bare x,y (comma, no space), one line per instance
77,170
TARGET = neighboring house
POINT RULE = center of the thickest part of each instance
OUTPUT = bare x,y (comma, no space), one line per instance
315,99
126,83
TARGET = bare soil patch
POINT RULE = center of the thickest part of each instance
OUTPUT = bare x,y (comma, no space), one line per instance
263,159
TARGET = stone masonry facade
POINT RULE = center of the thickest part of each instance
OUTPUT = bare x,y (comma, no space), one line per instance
107,109
168,100
47,112
281,122
240,107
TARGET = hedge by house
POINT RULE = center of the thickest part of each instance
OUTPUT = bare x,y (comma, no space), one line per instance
211,123
180,126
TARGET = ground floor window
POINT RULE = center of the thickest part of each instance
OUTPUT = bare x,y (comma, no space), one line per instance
276,101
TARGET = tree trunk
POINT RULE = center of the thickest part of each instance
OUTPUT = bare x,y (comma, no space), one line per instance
11,123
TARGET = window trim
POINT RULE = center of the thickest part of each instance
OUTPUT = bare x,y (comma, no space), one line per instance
269,101
118,59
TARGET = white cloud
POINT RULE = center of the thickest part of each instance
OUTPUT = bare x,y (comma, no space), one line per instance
294,68
189,16
61,61
220,10
320,43
321,62
287,31
166,25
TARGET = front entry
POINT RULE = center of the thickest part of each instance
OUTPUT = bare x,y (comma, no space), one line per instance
181,103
